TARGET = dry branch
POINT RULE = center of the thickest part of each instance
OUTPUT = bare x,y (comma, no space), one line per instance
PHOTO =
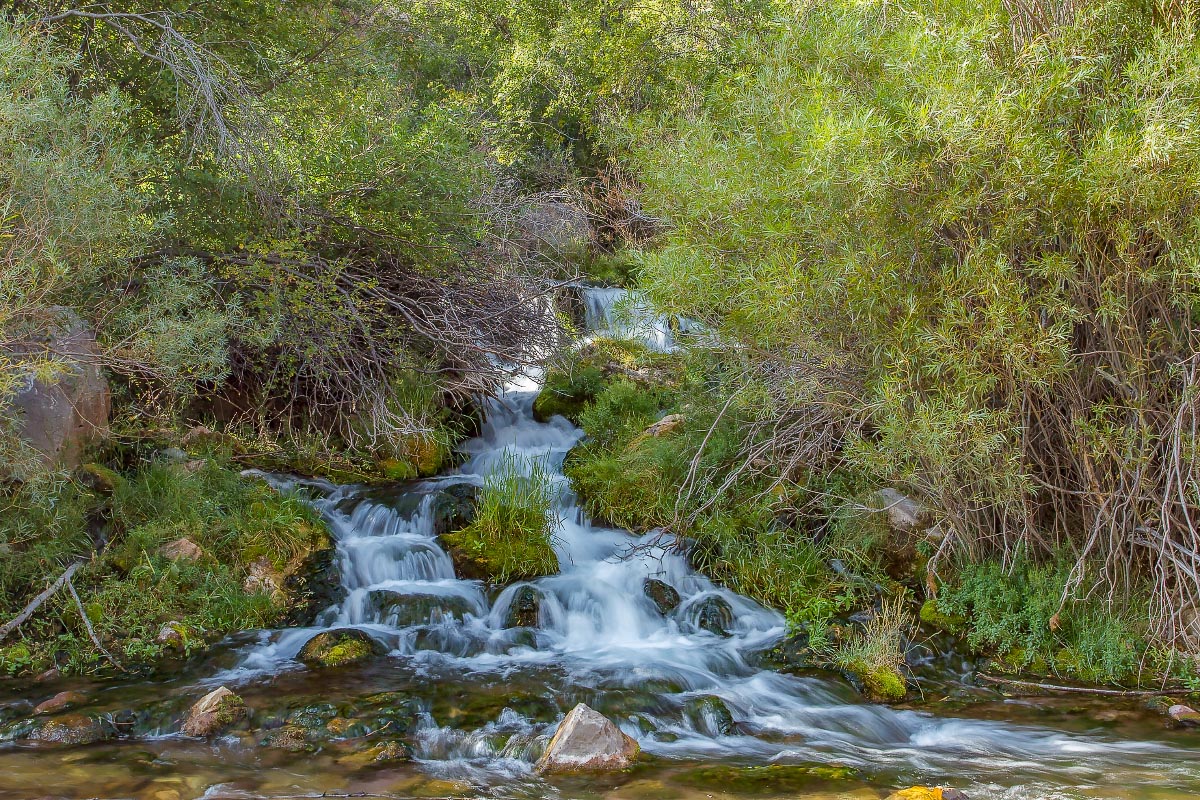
28,610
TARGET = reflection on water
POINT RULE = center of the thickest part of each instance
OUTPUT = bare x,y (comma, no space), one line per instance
473,695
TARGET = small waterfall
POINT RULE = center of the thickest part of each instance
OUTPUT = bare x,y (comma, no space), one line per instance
626,315
700,693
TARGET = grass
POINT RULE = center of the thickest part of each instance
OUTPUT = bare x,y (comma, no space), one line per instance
511,535
875,655
129,589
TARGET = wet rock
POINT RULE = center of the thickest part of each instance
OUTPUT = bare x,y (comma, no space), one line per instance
71,729
60,702
315,585
1185,715
51,674
454,508
767,779
57,418
927,793
293,738
881,683
183,549
213,713
378,755
662,594
587,740
715,616
525,607
406,610
710,715
339,647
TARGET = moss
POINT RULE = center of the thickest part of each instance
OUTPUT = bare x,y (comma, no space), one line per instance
566,391
338,648
931,614
882,684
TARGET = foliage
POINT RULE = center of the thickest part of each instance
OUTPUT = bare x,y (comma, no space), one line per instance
511,536
963,261
131,589
875,655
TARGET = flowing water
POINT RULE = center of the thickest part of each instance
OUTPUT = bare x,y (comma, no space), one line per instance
475,694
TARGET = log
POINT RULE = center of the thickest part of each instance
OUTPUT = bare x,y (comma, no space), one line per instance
28,610
1050,687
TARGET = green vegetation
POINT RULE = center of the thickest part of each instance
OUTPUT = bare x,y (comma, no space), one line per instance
510,537
135,584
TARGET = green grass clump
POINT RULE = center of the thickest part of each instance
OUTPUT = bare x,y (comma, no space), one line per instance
129,590
875,655
511,535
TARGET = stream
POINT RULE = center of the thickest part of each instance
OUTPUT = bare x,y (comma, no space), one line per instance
474,695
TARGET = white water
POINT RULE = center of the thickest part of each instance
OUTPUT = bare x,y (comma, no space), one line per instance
598,635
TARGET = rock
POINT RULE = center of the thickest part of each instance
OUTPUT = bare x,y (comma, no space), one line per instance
587,740
454,508
60,702
172,455
262,578
710,715
524,609
715,616
378,755
339,647
173,635
405,610
662,594
99,478
932,614
58,418
213,713
315,585
665,426
290,737
927,793
554,228
904,514
1185,715
51,674
72,729
183,549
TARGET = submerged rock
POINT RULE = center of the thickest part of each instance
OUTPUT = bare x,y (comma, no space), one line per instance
662,594
213,713
71,729
60,702
716,616
406,610
525,607
293,738
587,740
927,793
710,715
339,647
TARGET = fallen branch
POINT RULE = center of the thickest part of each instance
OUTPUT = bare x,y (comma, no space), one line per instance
1050,687
87,623
28,610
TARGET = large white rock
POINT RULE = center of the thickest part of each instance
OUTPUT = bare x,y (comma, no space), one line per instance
587,740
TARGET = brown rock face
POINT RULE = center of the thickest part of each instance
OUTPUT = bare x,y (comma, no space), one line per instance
213,713
58,418
587,740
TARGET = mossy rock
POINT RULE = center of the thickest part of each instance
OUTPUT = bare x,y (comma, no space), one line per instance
340,647
99,478
932,614
662,594
881,684
525,608
521,558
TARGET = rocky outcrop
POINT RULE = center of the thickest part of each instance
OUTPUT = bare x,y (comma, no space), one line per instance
338,648
587,740
217,711
58,418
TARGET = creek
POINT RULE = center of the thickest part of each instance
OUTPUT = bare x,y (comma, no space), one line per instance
475,695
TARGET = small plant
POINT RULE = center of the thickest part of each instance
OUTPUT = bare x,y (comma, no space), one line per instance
511,536
875,655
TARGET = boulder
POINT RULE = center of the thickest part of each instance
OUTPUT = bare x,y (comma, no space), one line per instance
58,418
524,609
927,793
183,549
904,514
213,713
1184,715
715,616
587,740
71,729
662,594
60,702
338,647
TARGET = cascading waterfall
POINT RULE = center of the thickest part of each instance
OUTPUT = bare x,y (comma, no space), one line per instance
682,690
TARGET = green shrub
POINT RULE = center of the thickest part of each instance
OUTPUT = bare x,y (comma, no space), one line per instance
510,537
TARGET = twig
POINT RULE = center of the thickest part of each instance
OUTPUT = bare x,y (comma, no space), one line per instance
28,610
1049,687
88,624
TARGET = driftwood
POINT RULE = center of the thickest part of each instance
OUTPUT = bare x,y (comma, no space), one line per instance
1050,687
28,610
